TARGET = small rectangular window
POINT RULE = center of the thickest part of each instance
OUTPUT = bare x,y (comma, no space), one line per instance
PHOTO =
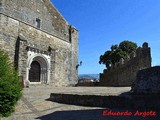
38,22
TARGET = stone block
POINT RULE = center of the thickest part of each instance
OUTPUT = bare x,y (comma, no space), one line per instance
147,81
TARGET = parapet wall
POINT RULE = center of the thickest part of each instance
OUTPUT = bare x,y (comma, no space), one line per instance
147,81
124,72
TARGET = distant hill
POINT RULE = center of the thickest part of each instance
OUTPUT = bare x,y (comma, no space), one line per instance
92,76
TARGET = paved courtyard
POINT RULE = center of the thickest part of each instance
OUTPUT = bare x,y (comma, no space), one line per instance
35,106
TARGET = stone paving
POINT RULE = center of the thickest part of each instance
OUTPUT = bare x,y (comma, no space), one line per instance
35,106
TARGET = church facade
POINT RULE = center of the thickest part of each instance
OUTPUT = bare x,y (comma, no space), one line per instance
41,43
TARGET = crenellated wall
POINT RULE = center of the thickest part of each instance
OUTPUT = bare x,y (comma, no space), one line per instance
124,72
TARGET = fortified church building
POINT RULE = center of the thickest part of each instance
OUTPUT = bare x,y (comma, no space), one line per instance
41,43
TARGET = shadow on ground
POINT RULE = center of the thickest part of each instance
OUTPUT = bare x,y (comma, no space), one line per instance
140,106
96,114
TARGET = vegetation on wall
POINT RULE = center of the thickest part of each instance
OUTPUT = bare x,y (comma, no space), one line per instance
10,89
123,50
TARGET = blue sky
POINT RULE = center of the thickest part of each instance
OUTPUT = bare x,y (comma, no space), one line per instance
102,23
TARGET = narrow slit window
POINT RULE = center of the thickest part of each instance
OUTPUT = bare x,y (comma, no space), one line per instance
38,23
70,35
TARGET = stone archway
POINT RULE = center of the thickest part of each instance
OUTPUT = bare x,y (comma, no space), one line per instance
38,70
38,67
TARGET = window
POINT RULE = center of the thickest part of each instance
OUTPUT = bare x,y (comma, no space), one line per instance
38,22
70,34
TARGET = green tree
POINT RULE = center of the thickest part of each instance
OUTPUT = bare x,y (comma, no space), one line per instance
123,50
10,90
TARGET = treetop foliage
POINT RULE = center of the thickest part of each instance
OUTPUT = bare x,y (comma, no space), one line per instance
116,52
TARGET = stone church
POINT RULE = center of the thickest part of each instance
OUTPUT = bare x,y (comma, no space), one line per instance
41,43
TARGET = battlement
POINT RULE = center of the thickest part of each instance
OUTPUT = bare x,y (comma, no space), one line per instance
123,73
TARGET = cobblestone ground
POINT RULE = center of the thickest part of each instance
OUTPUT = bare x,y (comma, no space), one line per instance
35,106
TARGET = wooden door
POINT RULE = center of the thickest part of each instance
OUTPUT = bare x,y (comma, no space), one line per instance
34,72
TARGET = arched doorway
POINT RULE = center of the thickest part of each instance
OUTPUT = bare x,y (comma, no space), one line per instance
38,70
35,72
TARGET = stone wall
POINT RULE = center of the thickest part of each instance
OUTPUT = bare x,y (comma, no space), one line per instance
147,81
124,72
55,38
128,101
27,11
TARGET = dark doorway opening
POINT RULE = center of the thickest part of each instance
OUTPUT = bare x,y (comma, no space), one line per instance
34,72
